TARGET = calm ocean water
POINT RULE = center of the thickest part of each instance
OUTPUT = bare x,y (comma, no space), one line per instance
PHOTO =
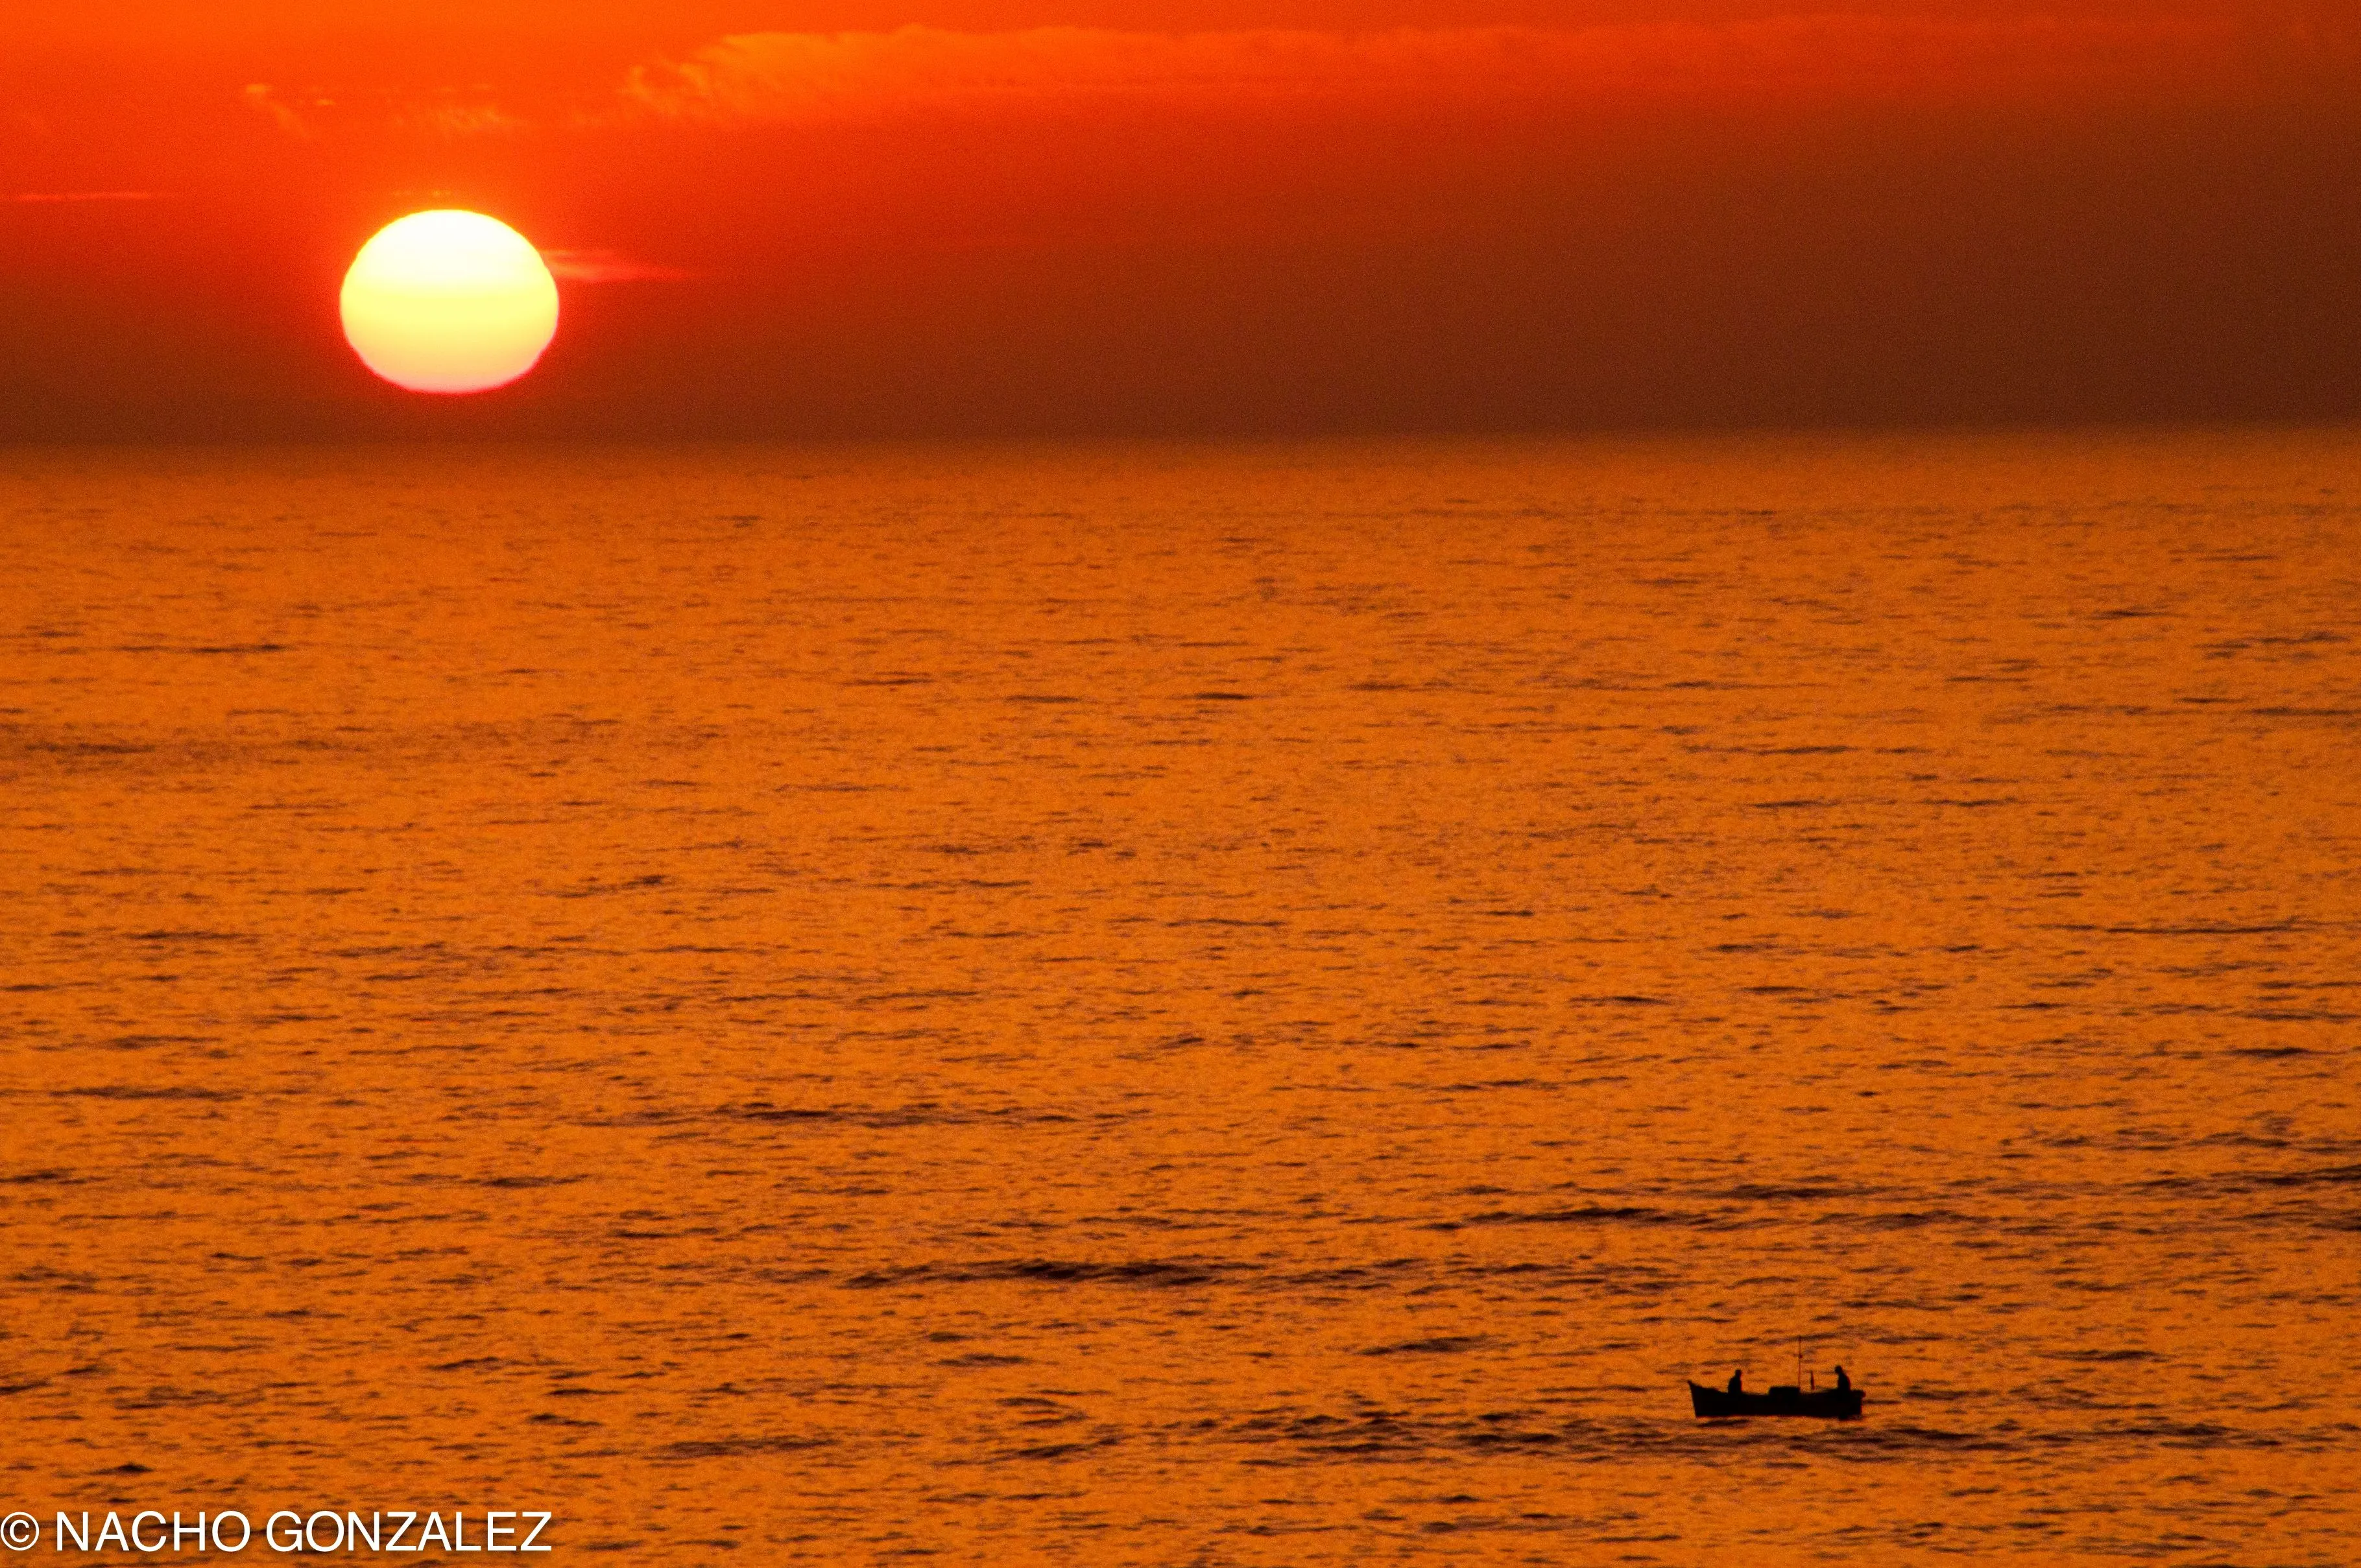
1191,1005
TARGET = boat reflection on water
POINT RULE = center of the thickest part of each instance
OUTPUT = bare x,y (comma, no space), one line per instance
1788,1399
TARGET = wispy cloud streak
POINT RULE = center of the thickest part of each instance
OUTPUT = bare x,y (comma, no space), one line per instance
608,267
820,77
80,196
264,99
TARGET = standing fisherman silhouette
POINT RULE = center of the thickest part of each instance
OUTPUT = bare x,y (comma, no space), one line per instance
1734,1384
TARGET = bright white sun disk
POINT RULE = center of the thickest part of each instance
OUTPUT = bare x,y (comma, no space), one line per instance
449,301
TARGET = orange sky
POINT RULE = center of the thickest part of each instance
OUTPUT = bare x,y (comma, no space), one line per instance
996,217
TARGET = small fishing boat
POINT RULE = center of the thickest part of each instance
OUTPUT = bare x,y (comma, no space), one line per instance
1788,1399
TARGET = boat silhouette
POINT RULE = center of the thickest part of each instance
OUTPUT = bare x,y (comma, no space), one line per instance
1786,1399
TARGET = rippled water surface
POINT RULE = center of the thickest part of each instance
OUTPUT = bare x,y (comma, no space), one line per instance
1191,1005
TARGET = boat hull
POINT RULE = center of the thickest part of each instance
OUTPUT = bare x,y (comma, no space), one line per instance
1828,1404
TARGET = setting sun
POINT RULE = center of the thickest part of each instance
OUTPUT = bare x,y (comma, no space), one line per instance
449,301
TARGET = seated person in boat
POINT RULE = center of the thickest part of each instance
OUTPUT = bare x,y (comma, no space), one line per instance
1734,1384
1843,1382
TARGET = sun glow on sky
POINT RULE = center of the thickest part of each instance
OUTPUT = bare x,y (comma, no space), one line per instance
449,301
1038,217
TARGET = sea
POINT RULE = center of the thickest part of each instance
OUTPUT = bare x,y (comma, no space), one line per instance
1187,1003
